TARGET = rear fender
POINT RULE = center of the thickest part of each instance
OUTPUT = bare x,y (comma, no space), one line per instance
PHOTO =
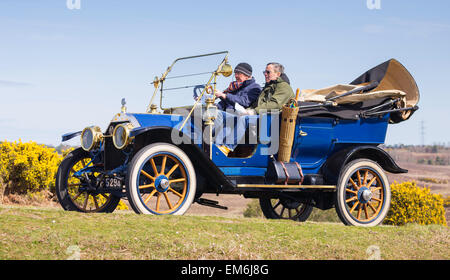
338,160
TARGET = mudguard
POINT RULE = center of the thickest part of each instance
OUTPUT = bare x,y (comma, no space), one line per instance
202,164
337,161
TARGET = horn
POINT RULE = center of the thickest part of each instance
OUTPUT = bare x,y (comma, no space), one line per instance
226,70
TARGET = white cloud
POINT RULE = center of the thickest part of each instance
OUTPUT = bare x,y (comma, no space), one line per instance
4,83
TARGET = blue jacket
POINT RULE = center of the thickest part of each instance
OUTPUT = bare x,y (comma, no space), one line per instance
245,95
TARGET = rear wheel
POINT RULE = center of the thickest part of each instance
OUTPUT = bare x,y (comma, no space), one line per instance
284,208
363,194
161,181
78,193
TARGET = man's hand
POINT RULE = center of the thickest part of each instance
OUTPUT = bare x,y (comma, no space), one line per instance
220,94
250,112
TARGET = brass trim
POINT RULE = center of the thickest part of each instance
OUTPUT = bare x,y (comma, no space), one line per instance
157,81
127,127
331,187
213,76
97,137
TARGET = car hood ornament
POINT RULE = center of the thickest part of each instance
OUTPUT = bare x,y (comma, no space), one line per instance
124,108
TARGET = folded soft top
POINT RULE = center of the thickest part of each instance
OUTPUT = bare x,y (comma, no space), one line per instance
393,82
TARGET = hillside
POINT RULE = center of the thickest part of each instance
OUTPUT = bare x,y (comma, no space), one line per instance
49,233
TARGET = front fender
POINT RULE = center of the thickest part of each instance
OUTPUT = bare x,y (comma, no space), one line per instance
70,135
203,165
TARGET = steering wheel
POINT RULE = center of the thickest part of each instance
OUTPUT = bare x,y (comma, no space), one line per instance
198,91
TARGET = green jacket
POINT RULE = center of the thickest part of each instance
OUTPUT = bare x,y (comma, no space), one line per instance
274,95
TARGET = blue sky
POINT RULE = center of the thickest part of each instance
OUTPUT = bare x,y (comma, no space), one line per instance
62,70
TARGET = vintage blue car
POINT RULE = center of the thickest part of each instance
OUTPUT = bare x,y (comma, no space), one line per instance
165,159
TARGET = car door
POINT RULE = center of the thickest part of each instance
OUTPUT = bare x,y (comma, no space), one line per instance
313,141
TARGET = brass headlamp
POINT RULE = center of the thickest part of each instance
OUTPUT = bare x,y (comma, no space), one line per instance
91,138
121,135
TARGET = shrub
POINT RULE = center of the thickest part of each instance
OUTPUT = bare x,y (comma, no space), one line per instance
28,167
29,170
253,210
412,204
447,201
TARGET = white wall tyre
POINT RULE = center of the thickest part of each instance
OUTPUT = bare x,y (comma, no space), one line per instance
363,194
161,181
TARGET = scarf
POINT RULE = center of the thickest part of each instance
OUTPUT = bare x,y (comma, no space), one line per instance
234,86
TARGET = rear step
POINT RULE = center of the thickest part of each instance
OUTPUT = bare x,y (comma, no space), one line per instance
210,203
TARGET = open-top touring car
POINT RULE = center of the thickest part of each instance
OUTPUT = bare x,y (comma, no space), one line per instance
165,159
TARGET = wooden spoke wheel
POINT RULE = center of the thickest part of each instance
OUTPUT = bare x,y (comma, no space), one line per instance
285,209
161,180
77,193
363,194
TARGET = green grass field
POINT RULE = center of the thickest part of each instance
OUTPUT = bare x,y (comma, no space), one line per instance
50,233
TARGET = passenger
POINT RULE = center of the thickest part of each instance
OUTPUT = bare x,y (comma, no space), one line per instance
244,91
276,93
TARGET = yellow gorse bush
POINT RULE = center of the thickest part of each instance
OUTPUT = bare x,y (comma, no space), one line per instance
413,204
28,167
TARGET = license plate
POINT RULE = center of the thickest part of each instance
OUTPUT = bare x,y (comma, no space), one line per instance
113,183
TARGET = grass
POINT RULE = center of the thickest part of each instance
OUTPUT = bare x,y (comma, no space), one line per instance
49,233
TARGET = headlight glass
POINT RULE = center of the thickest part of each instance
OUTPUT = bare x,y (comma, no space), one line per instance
91,137
121,136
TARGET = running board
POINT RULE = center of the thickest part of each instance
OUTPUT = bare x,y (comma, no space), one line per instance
326,187
210,203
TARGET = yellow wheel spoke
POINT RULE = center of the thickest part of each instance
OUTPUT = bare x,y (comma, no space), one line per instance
175,192
359,213
371,207
371,181
354,206
163,164
354,184
365,211
158,201
152,185
154,167
351,191
377,189
148,175
376,199
351,199
177,180
168,201
359,178
150,196
172,170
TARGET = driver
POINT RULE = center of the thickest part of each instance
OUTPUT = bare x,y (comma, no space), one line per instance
275,94
244,91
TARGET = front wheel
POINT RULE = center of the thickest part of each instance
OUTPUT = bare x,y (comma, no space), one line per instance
161,181
76,181
363,194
